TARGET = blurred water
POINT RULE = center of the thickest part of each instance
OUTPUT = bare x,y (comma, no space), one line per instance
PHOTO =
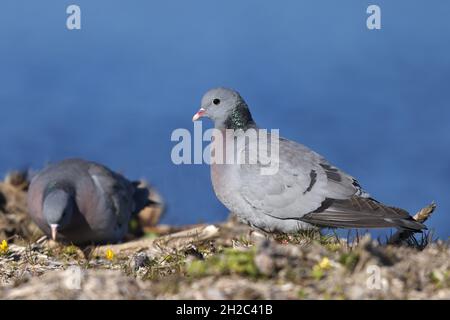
375,103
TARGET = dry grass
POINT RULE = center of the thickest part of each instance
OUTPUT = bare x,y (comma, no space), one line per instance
226,261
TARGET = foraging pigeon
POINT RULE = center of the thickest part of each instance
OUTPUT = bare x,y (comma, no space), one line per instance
82,202
305,192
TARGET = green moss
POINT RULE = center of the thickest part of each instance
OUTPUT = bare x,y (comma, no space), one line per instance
435,278
197,268
151,235
317,272
440,279
230,261
70,250
301,294
349,260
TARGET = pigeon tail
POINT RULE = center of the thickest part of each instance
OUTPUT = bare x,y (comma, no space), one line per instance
141,197
358,212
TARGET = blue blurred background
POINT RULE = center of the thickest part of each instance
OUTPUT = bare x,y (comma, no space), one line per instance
375,103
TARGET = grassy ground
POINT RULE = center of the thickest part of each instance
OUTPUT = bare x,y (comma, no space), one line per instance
227,261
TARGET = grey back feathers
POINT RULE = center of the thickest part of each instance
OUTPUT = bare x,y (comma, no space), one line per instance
306,192
88,202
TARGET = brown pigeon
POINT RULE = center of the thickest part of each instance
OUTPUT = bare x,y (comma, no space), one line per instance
82,202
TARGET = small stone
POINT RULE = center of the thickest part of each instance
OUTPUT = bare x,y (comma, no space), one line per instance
139,260
265,263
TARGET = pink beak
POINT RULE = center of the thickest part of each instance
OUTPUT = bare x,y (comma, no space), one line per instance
54,228
199,114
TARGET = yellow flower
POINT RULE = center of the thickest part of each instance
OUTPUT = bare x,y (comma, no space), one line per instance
325,264
110,254
4,246
319,268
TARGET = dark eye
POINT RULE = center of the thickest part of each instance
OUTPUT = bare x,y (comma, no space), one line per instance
216,101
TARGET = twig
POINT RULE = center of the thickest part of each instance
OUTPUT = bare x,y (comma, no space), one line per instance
174,241
421,216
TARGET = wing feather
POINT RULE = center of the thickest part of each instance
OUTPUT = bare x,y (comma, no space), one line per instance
358,212
116,190
308,188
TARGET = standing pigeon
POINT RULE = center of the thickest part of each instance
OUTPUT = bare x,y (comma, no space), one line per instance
306,191
82,202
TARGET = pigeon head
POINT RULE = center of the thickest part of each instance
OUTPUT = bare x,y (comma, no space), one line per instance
58,208
226,108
